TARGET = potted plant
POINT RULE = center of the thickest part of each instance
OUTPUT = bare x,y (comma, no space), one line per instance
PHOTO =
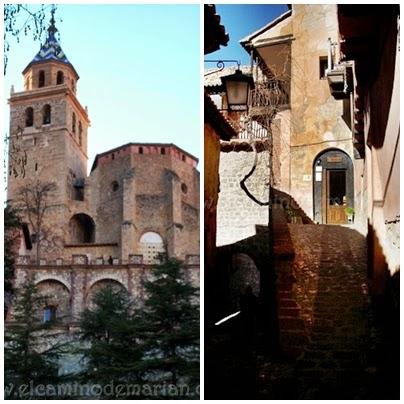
350,213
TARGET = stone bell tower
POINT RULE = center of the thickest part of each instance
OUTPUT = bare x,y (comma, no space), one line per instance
48,130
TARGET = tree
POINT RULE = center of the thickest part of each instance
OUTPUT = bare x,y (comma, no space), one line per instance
170,322
11,235
33,202
111,349
30,359
22,19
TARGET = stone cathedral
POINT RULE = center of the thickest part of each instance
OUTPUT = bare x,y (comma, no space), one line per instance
139,200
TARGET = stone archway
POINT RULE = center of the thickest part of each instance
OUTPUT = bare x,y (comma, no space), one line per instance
333,187
56,297
101,284
81,229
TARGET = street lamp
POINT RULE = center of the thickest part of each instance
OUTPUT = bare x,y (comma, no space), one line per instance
237,87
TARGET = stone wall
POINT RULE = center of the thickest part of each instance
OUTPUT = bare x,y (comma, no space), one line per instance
69,287
237,214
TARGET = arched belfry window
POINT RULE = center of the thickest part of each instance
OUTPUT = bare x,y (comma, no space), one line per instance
29,117
46,114
60,77
81,229
41,78
151,247
74,123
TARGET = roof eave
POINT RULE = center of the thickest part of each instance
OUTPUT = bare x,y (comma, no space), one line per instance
52,60
246,41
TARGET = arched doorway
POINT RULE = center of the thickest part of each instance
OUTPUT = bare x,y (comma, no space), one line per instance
333,187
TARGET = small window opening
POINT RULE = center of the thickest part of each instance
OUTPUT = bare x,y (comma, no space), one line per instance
183,157
115,186
184,188
113,156
140,150
41,79
80,133
29,117
27,238
163,150
323,63
78,188
46,114
49,314
74,122
36,166
60,77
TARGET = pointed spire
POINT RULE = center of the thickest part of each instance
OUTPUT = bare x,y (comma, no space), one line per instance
51,49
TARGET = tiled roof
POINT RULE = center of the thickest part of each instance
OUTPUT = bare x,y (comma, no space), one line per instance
213,79
51,49
215,33
217,120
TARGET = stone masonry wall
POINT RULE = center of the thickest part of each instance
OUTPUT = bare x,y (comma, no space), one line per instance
237,214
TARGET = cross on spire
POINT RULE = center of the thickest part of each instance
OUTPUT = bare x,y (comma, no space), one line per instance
52,28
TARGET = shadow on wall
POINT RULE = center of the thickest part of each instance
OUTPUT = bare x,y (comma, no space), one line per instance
385,294
229,360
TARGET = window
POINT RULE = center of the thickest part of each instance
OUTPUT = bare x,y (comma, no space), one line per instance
29,117
140,150
41,78
113,156
60,77
114,186
163,150
183,157
184,188
74,123
323,63
152,248
80,133
49,314
46,114
36,166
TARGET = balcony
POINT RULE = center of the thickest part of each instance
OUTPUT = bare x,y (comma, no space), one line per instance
340,81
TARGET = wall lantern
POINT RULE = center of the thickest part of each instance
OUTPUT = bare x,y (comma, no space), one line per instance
237,88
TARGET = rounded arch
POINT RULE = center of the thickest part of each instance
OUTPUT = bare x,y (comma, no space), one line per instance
41,78
60,78
333,186
46,114
151,246
243,273
56,304
102,283
81,229
29,117
52,279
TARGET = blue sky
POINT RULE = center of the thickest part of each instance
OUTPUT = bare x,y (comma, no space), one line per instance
139,68
241,20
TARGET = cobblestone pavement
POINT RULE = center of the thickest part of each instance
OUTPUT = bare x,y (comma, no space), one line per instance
325,320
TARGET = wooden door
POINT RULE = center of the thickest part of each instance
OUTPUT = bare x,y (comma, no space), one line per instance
336,197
